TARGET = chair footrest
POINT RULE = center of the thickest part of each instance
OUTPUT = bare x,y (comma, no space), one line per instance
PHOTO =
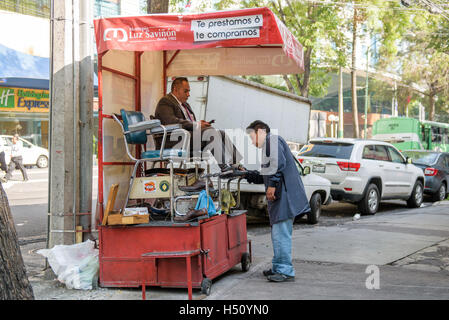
167,153
169,128
144,125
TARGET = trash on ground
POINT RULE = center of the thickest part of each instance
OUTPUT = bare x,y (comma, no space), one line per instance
75,265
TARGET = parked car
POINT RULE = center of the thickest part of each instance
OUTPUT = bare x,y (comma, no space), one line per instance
435,166
364,172
32,154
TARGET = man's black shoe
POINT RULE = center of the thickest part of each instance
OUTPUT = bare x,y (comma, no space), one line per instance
225,168
268,272
280,278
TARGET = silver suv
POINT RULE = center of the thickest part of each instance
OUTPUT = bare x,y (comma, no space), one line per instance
364,171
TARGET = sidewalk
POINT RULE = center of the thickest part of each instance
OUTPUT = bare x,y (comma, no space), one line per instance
410,248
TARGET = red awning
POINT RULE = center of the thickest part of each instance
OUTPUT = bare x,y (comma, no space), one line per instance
247,28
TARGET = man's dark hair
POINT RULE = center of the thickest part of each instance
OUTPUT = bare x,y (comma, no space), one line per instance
177,82
256,125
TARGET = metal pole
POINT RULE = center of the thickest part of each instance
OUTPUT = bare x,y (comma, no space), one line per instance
340,104
86,93
50,123
75,79
366,94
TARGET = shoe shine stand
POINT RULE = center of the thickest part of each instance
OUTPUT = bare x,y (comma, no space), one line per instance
133,66
167,253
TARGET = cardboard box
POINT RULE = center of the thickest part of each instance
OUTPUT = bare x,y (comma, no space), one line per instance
118,219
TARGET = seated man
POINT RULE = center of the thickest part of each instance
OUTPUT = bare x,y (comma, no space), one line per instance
173,108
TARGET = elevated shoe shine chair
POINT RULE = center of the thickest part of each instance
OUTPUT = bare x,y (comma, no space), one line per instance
136,130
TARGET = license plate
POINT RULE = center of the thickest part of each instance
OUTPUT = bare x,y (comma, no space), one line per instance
319,169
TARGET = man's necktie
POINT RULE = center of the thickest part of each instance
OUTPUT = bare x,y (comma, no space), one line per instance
188,112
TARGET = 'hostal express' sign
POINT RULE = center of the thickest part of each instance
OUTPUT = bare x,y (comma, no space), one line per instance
24,100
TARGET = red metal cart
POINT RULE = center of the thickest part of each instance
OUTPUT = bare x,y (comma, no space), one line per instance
135,57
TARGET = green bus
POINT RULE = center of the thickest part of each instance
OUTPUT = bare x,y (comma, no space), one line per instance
412,134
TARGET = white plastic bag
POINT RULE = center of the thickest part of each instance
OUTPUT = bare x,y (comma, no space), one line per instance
75,265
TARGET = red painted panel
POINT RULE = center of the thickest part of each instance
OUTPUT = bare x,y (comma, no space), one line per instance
214,239
172,272
237,231
223,236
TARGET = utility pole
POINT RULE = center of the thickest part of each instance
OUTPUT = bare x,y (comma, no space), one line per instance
355,114
366,95
86,117
157,6
71,124
340,104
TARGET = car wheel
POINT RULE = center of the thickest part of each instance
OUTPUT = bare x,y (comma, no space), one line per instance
315,206
440,195
42,162
416,198
370,202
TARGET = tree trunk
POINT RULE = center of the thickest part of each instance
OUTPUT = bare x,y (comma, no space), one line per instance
304,88
14,284
290,87
157,6
431,106
355,115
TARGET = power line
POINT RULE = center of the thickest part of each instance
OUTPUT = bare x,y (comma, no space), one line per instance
364,6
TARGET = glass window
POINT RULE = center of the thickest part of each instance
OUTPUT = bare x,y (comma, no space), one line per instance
369,152
381,153
25,143
422,157
106,8
436,135
395,155
8,141
298,166
445,136
327,150
446,162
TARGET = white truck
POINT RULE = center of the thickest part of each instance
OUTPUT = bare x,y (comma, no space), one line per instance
234,103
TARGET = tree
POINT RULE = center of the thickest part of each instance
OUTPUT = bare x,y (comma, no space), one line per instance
14,284
426,63
430,69
157,6
316,28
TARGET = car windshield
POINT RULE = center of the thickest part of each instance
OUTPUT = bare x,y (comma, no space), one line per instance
327,150
422,157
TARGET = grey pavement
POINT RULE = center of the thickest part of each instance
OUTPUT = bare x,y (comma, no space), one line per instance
410,248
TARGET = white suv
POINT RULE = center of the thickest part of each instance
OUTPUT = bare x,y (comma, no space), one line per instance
364,171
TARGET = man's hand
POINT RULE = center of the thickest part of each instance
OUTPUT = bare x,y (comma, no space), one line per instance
270,193
204,124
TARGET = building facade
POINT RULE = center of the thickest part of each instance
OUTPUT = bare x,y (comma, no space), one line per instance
25,63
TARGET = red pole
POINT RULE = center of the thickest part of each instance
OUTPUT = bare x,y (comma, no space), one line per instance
100,134
164,73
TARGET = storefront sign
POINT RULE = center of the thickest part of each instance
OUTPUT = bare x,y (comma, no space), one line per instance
24,100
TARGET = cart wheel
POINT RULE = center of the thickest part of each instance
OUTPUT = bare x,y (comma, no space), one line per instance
246,262
206,285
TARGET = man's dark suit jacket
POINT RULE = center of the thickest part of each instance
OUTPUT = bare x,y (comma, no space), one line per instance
169,112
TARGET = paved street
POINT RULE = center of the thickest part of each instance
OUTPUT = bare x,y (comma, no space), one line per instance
29,202
410,248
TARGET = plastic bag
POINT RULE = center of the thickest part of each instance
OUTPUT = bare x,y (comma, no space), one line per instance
205,201
75,265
